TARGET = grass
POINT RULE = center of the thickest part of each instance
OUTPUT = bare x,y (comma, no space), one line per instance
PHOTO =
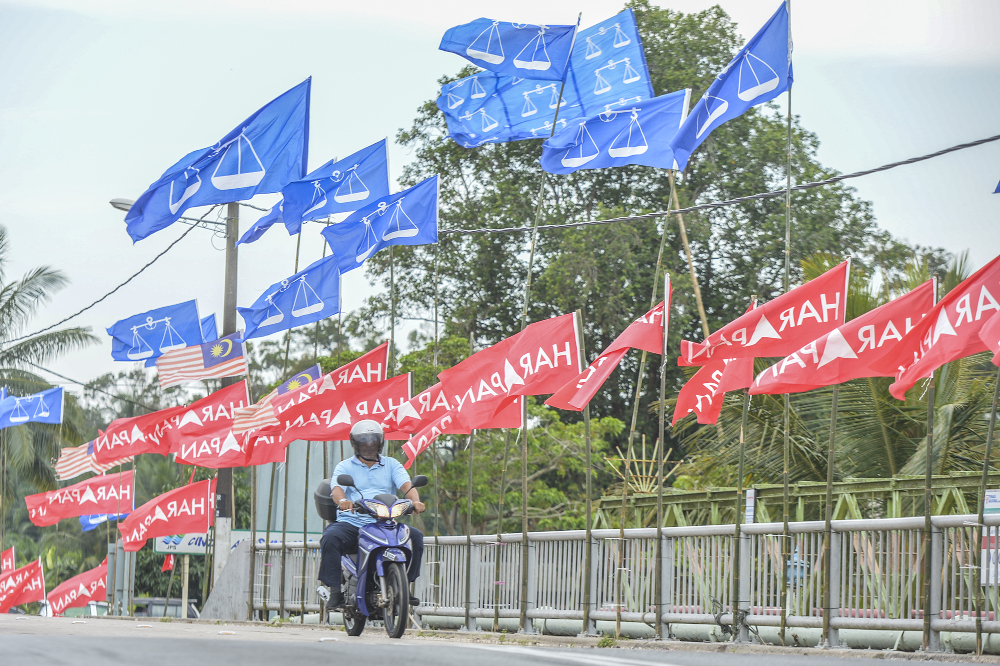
607,642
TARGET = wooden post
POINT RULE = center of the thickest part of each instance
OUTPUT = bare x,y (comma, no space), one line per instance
828,527
185,579
976,549
658,590
469,626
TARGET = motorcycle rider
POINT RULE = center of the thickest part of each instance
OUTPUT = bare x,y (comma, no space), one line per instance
373,474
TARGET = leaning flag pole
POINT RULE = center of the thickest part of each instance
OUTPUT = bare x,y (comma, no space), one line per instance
524,626
658,589
785,533
976,548
687,252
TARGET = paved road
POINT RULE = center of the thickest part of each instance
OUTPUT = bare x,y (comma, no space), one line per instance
57,641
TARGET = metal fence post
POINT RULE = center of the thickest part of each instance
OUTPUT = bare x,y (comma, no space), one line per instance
937,561
836,575
532,592
742,602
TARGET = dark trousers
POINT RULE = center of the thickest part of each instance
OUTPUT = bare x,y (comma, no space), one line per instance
342,538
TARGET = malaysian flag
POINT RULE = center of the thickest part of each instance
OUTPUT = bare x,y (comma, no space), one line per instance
76,460
221,358
261,415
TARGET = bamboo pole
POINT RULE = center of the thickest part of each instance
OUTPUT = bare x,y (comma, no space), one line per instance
977,547
500,512
253,540
267,539
284,543
828,527
305,533
925,547
619,582
687,253
658,593
738,519
392,314
468,540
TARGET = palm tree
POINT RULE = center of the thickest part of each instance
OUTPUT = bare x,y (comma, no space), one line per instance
27,450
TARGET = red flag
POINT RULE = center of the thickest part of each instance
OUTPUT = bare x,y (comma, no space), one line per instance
325,413
134,435
168,563
190,508
7,560
22,586
367,369
111,493
202,435
265,446
644,333
990,335
81,589
780,326
540,359
704,392
416,413
843,353
949,331
442,425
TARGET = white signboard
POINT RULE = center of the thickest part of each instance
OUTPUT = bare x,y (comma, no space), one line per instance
989,571
751,505
193,543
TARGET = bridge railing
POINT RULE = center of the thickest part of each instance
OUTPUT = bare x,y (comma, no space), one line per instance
877,575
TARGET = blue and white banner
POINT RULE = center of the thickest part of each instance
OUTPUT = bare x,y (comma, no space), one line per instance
407,218
266,221
607,71
44,407
209,331
339,186
513,49
300,379
639,134
93,521
261,155
310,295
150,334
761,71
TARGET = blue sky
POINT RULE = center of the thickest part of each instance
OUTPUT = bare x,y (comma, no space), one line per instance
102,95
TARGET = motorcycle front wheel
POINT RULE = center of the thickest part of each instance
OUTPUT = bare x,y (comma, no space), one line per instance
354,622
397,612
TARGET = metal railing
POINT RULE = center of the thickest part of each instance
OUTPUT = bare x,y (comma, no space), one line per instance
876,576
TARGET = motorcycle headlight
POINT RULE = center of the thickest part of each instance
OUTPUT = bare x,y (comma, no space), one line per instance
399,508
381,510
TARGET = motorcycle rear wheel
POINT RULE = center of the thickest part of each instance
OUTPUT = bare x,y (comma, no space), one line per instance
396,614
354,622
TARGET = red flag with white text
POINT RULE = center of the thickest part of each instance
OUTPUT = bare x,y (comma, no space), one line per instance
7,560
190,508
110,493
949,331
704,392
842,354
22,586
80,590
540,359
325,412
134,435
780,326
168,563
202,435
644,333
264,446
990,335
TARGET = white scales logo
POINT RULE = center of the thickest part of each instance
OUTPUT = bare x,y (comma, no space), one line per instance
529,109
750,86
20,414
239,167
628,142
488,46
400,226
170,341
621,40
351,188
306,302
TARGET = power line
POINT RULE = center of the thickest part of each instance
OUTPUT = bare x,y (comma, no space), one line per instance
731,202
93,388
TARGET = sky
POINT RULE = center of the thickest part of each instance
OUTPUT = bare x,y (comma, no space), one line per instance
101,96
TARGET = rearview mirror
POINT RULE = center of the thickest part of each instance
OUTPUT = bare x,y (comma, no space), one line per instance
419,481
345,480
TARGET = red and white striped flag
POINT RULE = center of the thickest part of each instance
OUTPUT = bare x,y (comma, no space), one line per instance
76,460
221,358
254,417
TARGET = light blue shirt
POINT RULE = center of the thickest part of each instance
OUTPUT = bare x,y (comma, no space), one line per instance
386,476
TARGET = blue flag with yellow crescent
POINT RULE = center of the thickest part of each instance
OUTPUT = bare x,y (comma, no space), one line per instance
310,295
513,49
300,379
339,186
261,155
407,218
147,335
639,134
44,407
761,71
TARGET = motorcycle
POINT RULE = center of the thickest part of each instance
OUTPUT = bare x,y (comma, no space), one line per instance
375,584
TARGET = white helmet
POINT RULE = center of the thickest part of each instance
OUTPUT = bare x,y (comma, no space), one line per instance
367,440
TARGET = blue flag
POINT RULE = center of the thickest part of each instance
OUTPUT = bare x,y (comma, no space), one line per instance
513,49
88,523
639,134
407,218
261,155
266,221
309,295
761,71
44,407
339,186
607,71
150,334
209,331
300,379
